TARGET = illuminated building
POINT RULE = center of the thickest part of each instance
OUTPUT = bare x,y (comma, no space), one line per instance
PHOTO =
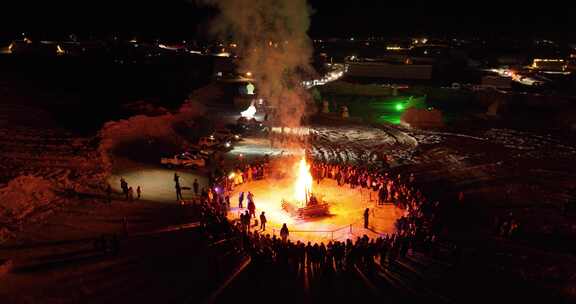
543,64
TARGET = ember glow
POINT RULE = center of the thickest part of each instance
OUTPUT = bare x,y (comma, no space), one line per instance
303,182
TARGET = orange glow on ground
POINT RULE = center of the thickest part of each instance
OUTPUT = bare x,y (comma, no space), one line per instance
346,210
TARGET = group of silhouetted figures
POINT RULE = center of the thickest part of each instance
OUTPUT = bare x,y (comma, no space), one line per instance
387,188
280,251
127,191
418,229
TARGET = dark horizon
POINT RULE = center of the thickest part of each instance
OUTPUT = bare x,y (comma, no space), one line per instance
180,19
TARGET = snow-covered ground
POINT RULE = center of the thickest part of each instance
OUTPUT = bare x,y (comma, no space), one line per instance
536,146
157,184
254,147
41,167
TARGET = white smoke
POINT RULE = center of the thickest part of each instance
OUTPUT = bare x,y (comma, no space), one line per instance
274,46
145,137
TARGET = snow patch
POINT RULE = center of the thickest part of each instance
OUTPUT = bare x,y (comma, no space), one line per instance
23,195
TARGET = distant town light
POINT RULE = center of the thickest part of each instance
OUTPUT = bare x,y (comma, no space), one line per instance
539,63
548,60
59,50
250,89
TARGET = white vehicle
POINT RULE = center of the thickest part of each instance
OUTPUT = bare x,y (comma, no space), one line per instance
187,160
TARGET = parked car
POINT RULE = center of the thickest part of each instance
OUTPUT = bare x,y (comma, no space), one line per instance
185,159
208,142
250,125
211,142
195,150
226,134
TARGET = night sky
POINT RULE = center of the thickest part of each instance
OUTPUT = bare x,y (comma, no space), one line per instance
181,18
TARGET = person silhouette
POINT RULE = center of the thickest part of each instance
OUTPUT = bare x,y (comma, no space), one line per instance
284,233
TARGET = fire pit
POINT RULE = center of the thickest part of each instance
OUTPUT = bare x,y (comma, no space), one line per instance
305,204
312,209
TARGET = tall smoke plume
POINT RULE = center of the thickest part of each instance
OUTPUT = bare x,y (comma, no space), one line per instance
273,42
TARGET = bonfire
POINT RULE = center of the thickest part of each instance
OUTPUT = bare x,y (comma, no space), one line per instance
304,202
303,183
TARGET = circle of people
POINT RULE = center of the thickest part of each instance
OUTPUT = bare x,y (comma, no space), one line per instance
417,228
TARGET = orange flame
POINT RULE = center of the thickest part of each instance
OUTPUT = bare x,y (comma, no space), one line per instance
303,184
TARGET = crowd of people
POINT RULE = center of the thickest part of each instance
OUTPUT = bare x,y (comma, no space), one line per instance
417,230
421,215
319,258
247,173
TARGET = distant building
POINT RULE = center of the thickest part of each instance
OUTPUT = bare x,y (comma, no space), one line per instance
43,47
549,64
392,71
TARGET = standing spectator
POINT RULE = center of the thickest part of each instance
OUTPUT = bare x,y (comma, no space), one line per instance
247,220
195,186
138,192
366,215
262,221
284,233
124,186
249,173
251,205
178,192
240,199
130,194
